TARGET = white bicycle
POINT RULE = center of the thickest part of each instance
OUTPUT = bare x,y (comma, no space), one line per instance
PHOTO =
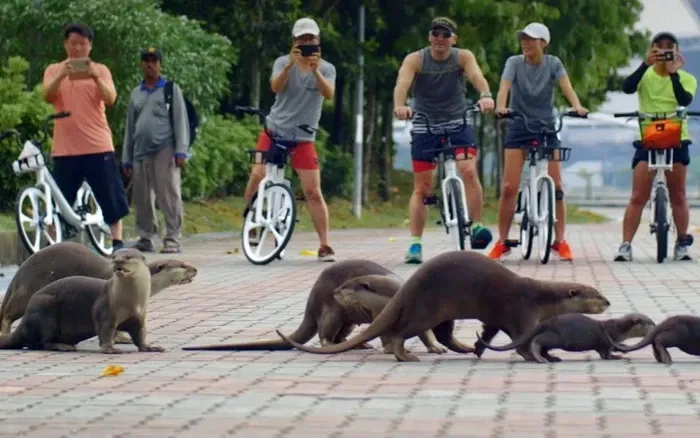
46,208
454,212
273,207
660,161
538,213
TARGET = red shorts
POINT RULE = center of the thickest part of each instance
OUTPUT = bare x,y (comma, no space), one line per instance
303,156
422,166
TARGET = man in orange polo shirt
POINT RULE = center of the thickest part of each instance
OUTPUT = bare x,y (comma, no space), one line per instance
82,143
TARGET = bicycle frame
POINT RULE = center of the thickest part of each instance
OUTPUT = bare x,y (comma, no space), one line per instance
47,184
447,160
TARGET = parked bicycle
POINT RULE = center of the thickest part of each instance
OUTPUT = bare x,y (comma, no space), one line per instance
48,211
660,135
276,214
454,212
538,213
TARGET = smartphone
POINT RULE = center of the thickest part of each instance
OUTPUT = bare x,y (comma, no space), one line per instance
308,50
666,55
80,68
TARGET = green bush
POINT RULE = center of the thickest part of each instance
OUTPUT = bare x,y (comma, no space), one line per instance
23,109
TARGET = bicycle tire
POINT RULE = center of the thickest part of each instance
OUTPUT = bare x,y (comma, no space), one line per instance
457,208
526,229
661,203
25,191
545,229
285,239
92,236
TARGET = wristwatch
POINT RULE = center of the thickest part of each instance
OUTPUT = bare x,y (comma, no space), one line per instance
485,94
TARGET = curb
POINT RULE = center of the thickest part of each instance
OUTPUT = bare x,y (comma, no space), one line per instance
12,252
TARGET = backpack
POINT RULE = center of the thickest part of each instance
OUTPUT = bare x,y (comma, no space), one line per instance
192,115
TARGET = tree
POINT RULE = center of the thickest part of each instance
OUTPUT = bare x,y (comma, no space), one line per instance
197,60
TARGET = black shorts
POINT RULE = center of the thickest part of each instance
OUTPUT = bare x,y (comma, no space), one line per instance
518,137
680,155
423,141
102,173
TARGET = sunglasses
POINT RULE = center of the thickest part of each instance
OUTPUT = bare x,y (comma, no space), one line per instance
441,33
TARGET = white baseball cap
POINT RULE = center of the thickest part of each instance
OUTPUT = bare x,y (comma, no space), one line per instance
535,30
305,26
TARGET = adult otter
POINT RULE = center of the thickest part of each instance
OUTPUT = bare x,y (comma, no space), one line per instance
469,285
331,311
65,259
577,332
680,331
73,309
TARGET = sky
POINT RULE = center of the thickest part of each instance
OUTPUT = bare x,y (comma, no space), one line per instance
656,16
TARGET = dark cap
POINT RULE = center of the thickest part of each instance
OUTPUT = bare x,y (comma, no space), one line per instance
151,51
445,23
664,36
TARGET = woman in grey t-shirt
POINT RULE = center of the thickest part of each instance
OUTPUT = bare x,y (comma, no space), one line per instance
530,79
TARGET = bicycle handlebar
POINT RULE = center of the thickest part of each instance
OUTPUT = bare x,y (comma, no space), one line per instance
257,112
470,109
513,114
44,128
644,115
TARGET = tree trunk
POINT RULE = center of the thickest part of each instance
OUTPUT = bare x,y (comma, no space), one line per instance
482,146
338,111
387,145
371,125
255,64
498,157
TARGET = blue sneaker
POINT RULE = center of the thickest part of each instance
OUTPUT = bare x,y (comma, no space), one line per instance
481,236
414,254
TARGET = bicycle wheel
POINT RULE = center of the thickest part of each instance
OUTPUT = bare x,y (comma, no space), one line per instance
661,203
545,207
527,230
99,234
31,208
279,217
456,210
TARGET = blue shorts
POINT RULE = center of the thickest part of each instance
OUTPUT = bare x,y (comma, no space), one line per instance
518,137
422,142
680,155
102,173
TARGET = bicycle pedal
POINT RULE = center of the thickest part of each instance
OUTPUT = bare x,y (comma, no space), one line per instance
511,243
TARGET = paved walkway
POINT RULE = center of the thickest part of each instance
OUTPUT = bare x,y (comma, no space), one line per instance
358,393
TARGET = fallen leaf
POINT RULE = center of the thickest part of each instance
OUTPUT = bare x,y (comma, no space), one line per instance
112,370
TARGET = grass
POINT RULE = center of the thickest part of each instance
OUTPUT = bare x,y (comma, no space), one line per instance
225,214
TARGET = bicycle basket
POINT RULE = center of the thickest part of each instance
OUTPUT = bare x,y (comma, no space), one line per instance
662,134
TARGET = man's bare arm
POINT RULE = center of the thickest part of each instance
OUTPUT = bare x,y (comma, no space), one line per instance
503,90
404,80
473,72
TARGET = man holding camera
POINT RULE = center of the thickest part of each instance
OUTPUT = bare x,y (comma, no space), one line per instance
660,89
301,81
82,143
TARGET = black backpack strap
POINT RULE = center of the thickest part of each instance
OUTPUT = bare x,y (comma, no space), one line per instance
168,92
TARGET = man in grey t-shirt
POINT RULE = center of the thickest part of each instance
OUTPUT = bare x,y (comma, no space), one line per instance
300,83
530,79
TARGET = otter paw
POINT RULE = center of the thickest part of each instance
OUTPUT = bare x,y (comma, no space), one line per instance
364,346
614,357
408,358
111,350
151,349
122,338
436,349
553,358
388,349
60,347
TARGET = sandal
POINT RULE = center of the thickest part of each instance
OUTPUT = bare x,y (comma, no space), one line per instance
170,247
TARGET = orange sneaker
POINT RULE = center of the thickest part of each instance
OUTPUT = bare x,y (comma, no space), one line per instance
563,249
499,250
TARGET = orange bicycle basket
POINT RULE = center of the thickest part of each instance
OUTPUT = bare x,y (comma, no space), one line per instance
662,134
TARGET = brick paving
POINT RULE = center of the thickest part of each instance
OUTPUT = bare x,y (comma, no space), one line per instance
358,393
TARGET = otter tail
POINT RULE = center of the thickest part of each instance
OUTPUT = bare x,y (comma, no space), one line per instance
522,340
306,330
646,340
384,321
